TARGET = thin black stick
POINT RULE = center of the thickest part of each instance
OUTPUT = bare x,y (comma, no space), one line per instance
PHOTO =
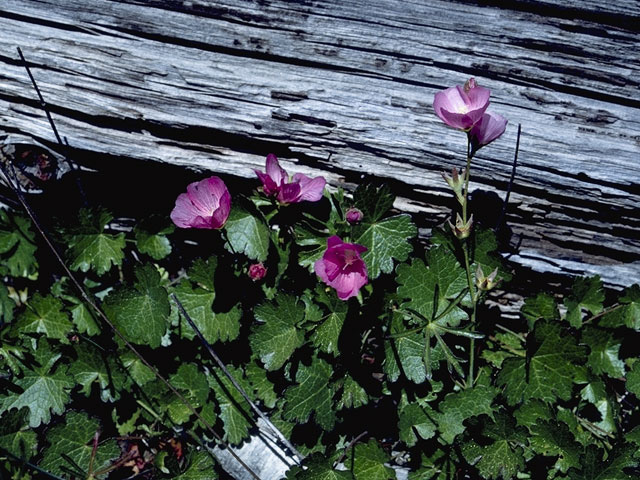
238,387
31,465
63,143
43,104
346,450
513,176
104,318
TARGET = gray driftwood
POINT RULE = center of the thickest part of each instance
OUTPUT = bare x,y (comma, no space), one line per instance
343,88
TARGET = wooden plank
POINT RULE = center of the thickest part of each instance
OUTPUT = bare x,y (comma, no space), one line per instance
339,89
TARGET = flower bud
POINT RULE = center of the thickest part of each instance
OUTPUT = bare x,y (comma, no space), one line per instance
469,84
354,215
456,182
461,230
257,271
486,283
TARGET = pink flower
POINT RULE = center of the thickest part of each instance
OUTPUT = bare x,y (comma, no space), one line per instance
275,183
257,271
205,205
354,215
461,107
342,268
488,128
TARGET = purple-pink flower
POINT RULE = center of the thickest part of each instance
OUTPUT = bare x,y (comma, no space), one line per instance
462,107
275,183
257,271
205,205
354,215
488,128
342,268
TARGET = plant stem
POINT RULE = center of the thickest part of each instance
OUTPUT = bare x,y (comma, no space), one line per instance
466,245
467,172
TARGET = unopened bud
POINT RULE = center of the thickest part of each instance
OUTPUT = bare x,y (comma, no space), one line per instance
257,271
461,230
456,182
486,283
354,215
469,84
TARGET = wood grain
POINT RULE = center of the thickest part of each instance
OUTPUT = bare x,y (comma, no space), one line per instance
344,88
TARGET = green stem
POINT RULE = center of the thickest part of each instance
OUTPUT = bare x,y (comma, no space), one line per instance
467,172
467,266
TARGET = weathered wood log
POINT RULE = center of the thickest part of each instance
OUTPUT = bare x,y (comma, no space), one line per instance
344,88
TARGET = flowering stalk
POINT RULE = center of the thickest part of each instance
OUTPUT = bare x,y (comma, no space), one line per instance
464,108
467,265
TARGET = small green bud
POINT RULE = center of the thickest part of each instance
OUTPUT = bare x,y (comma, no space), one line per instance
486,283
461,230
456,182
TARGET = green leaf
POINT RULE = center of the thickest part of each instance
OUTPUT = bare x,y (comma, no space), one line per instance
605,349
202,272
44,390
318,468
543,306
12,356
509,346
234,410
353,395
277,338
586,294
199,305
583,436
84,320
438,466
90,247
553,439
262,386
7,305
405,354
193,385
531,412
141,313
311,395
385,240
633,379
595,393
414,421
140,373
628,313
460,406
419,284
550,372
200,467
91,367
151,238
45,315
367,462
373,201
74,438
325,336
316,243
17,246
247,234
16,436
595,467
504,457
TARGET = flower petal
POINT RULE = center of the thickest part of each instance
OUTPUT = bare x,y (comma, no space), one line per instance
275,171
490,127
289,193
311,189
